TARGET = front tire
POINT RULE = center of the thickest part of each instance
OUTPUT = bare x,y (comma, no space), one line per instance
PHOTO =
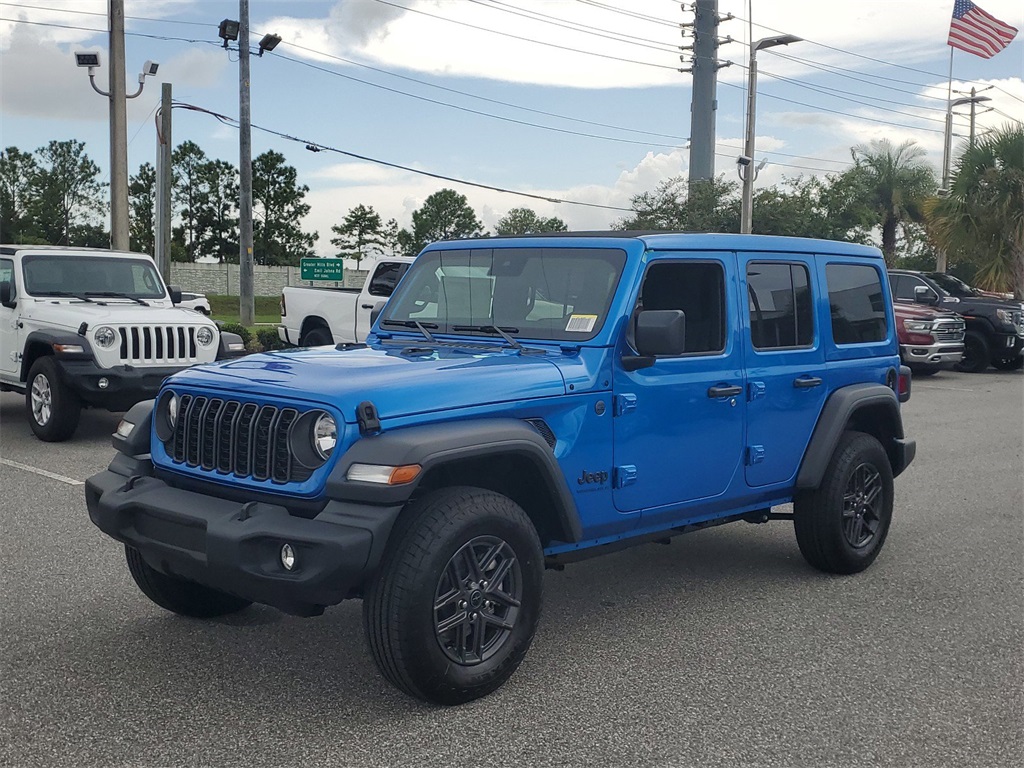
842,525
53,409
453,608
976,354
180,596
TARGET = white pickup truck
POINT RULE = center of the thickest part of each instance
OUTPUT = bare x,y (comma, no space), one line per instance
82,327
313,317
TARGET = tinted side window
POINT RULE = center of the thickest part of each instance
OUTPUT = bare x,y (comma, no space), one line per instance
779,299
697,288
905,287
385,278
857,303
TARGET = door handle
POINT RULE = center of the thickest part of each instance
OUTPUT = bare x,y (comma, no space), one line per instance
806,382
366,306
729,390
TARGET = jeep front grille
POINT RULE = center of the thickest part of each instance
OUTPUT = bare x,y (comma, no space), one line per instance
241,439
949,330
158,344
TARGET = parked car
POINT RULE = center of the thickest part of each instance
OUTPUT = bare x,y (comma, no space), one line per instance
931,339
995,327
196,301
313,317
522,403
92,328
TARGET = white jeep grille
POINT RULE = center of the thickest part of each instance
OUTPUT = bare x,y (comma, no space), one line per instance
158,344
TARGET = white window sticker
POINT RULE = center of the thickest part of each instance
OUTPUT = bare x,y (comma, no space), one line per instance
581,323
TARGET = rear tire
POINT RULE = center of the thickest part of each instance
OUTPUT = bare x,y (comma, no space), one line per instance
316,337
976,353
180,596
452,610
842,525
53,409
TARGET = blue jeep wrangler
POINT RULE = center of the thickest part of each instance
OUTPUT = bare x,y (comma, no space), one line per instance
521,403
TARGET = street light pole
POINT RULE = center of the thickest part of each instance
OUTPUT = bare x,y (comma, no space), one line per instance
118,131
246,300
746,161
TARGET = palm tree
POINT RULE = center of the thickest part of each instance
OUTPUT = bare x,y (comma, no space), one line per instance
894,182
983,216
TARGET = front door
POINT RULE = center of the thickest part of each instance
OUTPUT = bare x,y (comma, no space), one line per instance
679,423
10,362
785,363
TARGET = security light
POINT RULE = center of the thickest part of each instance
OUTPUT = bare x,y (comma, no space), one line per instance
87,59
228,30
149,68
269,43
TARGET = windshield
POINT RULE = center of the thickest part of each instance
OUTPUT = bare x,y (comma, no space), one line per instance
59,274
954,286
559,294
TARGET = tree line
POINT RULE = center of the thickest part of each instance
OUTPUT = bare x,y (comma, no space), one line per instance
888,194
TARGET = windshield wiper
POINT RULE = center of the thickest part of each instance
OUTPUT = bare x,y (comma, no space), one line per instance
503,332
116,295
421,327
68,295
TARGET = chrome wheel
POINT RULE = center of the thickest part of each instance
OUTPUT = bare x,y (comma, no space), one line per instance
477,600
42,400
862,506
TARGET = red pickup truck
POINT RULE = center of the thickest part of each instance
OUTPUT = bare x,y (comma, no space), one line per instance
930,339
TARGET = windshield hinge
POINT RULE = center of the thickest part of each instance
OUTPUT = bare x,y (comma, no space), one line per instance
369,421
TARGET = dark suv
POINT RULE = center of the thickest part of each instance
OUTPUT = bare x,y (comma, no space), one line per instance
995,326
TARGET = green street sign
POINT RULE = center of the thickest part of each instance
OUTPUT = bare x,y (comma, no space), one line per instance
322,269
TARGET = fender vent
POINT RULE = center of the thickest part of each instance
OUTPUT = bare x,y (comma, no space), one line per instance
544,431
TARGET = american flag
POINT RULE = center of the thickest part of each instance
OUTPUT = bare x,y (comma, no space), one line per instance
977,32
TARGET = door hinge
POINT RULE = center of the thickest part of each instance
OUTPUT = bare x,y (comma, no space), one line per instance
755,454
756,389
625,475
624,404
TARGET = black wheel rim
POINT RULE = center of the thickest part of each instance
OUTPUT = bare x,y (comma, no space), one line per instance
972,354
477,600
862,506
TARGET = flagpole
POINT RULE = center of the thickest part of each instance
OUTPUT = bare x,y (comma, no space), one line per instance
940,255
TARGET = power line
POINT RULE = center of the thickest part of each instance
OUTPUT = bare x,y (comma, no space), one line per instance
634,14
526,39
104,15
318,147
104,31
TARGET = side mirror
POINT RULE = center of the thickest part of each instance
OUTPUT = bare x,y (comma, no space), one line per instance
925,295
658,332
5,295
175,293
375,312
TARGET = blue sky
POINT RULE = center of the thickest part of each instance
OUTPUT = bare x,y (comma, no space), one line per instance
348,74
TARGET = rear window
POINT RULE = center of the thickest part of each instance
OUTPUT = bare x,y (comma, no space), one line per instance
779,300
857,304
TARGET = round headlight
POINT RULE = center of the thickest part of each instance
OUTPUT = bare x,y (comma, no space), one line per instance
172,411
204,336
325,435
105,336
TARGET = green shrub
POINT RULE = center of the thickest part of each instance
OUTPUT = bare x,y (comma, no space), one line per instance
240,329
268,339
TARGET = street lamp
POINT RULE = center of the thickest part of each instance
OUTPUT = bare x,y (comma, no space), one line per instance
91,61
746,161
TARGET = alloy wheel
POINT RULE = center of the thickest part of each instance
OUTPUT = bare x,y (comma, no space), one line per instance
42,399
862,506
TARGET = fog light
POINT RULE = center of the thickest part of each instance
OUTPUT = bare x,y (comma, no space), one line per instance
103,383
124,428
288,557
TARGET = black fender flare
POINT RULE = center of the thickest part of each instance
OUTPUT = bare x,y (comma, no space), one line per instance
839,409
48,338
433,445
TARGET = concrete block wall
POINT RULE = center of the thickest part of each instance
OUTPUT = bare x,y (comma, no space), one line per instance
222,279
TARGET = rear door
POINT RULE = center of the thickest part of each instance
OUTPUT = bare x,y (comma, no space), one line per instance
785,357
679,423
379,287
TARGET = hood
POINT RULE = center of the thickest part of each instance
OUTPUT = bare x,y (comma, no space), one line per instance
72,314
970,304
398,384
919,312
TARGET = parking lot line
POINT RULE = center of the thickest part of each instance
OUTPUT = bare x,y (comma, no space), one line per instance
940,386
43,472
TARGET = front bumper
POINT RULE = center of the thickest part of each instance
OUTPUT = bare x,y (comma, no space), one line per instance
1007,345
932,354
125,384
235,546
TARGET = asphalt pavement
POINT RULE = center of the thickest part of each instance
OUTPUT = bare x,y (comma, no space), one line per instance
723,649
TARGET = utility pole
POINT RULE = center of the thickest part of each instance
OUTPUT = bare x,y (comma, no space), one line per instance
704,102
164,180
246,301
118,131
